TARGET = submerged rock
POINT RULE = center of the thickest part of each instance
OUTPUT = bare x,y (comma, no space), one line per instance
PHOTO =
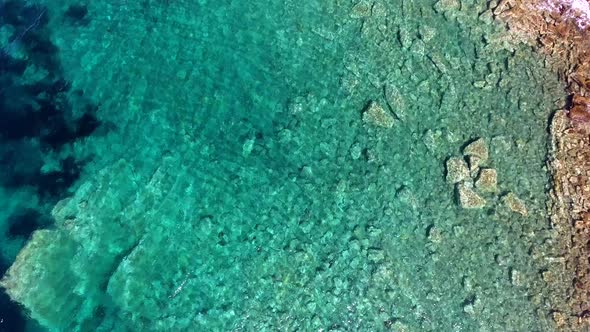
515,204
361,9
447,5
432,139
457,170
469,199
395,100
247,147
487,180
474,163
479,149
356,151
376,115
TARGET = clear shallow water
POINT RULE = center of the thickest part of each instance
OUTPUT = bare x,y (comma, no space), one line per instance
226,191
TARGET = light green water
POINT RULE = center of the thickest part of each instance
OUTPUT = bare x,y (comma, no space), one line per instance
229,194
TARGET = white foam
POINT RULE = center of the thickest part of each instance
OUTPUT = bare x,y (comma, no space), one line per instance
576,10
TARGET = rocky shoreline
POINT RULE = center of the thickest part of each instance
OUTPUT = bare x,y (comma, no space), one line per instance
560,29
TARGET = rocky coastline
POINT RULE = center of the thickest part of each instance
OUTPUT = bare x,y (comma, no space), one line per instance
560,29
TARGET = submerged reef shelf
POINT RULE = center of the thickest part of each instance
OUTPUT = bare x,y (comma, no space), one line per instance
300,165
41,121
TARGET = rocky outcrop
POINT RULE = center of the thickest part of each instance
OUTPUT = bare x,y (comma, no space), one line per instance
473,183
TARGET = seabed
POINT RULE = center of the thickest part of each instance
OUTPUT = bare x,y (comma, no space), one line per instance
181,165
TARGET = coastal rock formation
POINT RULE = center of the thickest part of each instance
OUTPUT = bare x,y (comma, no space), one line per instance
570,165
560,29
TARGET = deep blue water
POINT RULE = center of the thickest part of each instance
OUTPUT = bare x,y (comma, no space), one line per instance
37,119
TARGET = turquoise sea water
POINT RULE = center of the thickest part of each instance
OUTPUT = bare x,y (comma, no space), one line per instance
233,184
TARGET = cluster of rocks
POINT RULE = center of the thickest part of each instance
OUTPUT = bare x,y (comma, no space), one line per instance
472,179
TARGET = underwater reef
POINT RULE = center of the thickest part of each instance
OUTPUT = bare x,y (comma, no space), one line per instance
361,165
